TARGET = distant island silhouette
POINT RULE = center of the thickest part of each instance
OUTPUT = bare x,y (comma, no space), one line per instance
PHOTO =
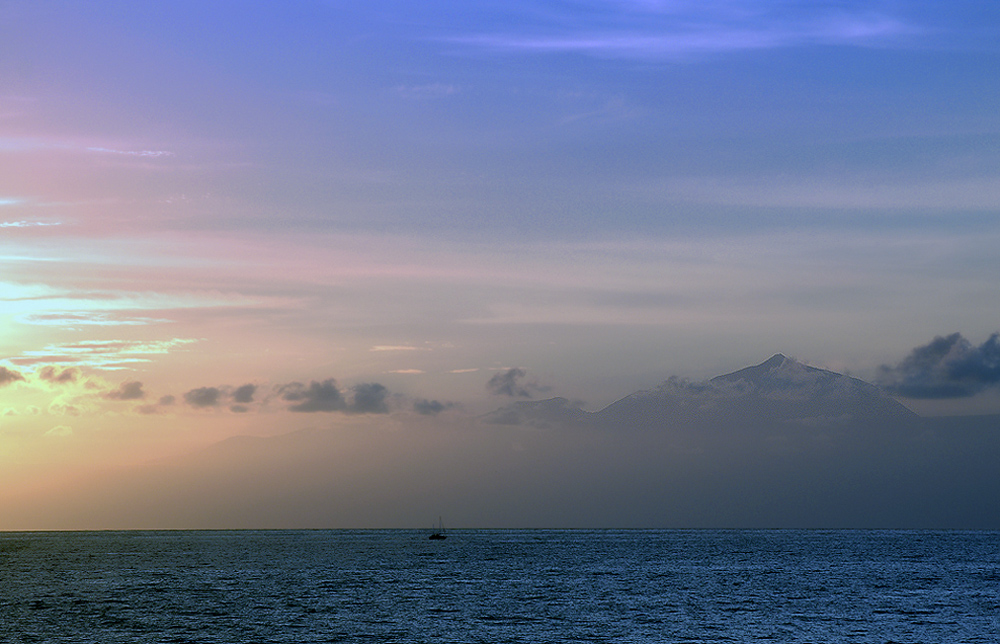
777,444
780,389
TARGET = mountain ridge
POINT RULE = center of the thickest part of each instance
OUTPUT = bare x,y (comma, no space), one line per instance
778,390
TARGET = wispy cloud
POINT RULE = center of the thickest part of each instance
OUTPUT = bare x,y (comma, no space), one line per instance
430,90
68,319
50,306
27,224
27,144
854,191
108,355
134,153
676,30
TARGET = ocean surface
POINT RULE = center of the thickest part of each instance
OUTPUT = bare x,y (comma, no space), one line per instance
500,586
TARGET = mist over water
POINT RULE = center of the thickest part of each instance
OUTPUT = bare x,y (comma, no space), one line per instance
501,585
778,445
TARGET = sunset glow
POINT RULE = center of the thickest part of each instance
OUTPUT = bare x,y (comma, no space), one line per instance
226,220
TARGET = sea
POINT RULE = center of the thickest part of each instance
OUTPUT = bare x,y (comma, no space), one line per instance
683,586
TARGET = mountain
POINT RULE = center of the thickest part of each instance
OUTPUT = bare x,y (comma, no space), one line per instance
778,391
778,444
787,388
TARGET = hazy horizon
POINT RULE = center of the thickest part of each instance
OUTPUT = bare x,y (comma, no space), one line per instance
228,221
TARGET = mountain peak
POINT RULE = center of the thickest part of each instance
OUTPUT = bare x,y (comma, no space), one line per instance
779,389
776,370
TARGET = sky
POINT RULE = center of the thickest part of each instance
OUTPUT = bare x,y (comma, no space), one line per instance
246,219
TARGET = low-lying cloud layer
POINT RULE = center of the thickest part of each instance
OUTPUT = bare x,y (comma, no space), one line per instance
431,407
326,396
127,391
203,397
947,367
71,386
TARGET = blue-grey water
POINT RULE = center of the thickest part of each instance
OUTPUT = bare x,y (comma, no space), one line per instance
501,586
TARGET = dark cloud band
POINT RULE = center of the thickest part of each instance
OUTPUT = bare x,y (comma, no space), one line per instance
947,367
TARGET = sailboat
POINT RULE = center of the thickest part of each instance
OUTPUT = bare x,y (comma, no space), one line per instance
439,531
